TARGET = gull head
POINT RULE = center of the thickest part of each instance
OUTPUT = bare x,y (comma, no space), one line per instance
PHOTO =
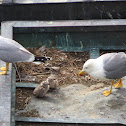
87,67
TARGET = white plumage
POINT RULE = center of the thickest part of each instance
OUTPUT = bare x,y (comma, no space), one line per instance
109,66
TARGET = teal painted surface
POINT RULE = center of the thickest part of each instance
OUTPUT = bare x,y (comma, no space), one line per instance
13,97
74,41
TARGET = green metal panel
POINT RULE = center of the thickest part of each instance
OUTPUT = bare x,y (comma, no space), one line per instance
74,41
73,35
13,96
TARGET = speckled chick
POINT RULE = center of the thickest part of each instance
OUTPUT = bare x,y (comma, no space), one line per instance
42,89
52,80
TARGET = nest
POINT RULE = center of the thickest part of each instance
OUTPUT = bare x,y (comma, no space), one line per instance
68,66
70,63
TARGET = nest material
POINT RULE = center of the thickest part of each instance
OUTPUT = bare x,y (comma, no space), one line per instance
65,65
30,113
23,97
68,64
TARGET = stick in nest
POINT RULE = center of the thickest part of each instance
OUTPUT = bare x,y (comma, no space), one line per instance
17,72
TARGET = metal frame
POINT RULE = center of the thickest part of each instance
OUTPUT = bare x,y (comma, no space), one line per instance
72,121
55,120
90,24
50,1
13,97
7,31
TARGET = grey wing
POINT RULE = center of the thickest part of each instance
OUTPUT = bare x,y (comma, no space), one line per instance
115,65
11,51
6,43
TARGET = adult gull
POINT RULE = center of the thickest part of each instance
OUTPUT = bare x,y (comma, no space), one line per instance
11,52
109,66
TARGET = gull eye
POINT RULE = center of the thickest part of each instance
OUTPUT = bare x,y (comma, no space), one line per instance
86,67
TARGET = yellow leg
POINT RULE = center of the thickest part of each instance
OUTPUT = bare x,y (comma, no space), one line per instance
106,93
118,84
4,69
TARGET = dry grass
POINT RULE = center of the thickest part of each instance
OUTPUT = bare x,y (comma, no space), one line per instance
23,96
70,63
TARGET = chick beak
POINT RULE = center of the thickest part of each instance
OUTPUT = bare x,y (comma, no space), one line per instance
81,73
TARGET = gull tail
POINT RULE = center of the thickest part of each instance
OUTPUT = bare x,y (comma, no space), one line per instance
41,59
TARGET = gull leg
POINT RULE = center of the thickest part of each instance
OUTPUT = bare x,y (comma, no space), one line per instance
106,93
4,69
118,84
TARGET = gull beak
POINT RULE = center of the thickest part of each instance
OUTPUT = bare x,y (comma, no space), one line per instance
81,73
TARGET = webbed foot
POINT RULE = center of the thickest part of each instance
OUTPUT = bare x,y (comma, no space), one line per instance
3,68
118,84
3,72
106,93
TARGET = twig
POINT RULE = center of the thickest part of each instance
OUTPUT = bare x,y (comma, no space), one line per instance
17,72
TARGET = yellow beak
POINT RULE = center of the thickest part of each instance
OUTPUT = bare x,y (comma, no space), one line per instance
81,73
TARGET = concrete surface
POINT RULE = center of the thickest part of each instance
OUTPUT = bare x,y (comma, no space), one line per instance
79,103
5,98
5,87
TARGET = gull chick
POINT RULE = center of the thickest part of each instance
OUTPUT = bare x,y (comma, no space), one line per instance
41,90
52,80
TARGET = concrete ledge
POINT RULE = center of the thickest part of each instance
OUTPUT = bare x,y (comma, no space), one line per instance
5,88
